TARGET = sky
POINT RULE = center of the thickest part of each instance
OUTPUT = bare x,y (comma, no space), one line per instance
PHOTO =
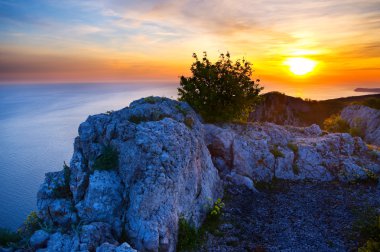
146,40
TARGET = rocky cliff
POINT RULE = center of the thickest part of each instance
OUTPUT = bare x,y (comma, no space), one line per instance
366,120
135,172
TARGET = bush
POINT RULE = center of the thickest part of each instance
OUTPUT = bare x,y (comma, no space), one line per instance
63,191
108,160
222,91
7,237
336,124
190,238
372,103
367,226
276,152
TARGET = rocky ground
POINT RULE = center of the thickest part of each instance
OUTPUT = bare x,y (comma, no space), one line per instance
292,216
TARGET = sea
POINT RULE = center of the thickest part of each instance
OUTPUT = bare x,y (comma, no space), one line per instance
38,124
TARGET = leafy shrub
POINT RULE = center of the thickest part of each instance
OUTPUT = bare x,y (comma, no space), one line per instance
188,236
32,223
276,152
108,160
372,103
150,99
367,226
221,91
137,119
356,132
336,124
63,191
7,237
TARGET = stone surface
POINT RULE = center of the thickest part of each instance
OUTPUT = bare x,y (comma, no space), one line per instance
366,119
164,171
263,151
170,165
39,239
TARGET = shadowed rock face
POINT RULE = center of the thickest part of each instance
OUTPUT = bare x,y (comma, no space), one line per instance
170,165
164,171
366,119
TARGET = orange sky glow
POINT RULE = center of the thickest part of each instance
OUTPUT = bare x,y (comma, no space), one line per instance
122,41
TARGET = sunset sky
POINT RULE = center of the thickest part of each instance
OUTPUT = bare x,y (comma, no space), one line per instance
108,41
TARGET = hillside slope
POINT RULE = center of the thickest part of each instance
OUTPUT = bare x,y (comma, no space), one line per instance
283,109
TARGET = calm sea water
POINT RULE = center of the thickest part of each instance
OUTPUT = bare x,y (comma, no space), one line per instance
38,124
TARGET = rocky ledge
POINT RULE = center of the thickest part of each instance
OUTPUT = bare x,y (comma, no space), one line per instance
135,172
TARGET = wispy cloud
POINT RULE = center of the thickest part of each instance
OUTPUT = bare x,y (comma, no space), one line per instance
168,31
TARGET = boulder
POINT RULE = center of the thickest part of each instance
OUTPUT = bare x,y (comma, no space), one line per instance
366,120
39,239
164,171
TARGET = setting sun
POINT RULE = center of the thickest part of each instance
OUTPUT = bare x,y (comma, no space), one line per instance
300,66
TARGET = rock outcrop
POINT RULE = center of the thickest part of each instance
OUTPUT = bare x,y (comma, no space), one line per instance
163,172
136,171
366,120
264,151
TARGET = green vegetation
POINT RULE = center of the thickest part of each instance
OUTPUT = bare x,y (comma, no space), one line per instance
371,102
189,238
31,224
367,226
108,160
336,124
221,91
296,169
150,99
293,147
7,237
276,152
189,122
137,119
63,191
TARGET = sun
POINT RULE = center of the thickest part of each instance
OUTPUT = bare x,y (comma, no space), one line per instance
300,66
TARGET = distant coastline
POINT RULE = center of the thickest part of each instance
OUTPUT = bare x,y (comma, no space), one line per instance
370,90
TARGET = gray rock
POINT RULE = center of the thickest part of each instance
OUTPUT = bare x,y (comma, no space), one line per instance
262,151
165,171
125,247
95,234
106,247
366,119
60,243
103,198
39,239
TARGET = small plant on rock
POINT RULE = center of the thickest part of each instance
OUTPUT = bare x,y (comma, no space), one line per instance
63,191
8,237
108,160
276,152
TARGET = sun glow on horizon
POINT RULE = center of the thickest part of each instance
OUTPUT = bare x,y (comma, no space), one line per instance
300,65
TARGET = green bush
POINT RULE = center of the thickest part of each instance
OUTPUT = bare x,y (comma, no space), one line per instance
190,238
63,191
31,224
7,237
356,132
108,160
367,226
372,103
221,91
276,152
336,124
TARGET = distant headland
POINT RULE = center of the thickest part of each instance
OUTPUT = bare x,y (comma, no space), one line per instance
371,90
